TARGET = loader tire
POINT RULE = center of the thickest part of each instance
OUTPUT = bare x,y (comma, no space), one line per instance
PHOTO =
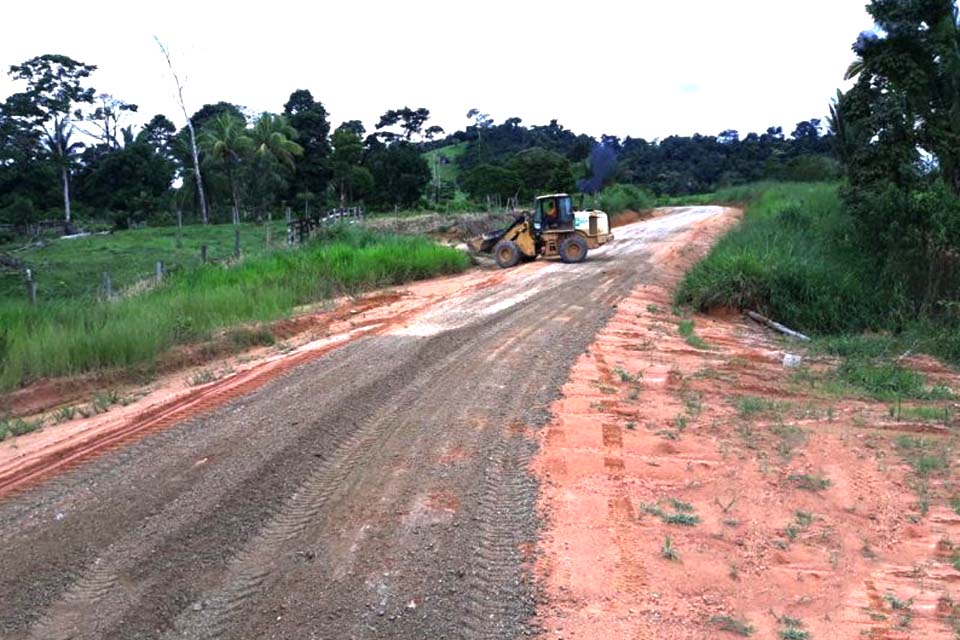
573,249
507,254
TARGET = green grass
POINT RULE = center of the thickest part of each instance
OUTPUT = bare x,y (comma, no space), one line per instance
792,259
80,335
449,172
689,335
808,482
797,258
886,380
749,406
922,413
926,456
65,269
792,629
731,625
682,514
18,427
669,551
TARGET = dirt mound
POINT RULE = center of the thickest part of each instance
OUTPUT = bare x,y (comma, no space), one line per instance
450,227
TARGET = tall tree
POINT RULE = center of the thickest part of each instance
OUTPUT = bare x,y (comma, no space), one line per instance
107,118
55,87
916,62
409,120
309,118
225,140
351,179
273,136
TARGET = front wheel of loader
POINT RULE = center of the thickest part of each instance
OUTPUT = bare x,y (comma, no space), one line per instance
507,254
573,249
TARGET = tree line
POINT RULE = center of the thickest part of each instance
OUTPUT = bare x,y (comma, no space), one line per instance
66,149
898,137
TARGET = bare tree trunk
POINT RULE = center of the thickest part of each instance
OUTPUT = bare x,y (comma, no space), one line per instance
196,169
193,135
65,175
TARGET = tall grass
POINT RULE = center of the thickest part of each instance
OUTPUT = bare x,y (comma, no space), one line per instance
78,336
793,257
798,258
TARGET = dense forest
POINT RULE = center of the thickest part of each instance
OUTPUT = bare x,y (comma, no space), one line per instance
67,153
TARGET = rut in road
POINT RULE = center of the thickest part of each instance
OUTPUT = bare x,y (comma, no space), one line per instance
380,491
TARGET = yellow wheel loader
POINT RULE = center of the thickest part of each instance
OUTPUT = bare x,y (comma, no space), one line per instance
552,229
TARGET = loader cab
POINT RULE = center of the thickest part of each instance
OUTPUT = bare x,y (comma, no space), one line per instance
553,212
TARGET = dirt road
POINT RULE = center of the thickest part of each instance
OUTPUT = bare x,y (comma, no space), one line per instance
381,490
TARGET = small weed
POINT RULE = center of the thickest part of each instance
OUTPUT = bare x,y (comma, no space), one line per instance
682,515
631,425
103,401
808,482
64,414
731,625
801,522
686,330
897,604
692,404
680,422
669,551
746,434
790,438
248,338
924,455
624,375
652,308
793,629
18,427
201,377
708,373
734,572
749,406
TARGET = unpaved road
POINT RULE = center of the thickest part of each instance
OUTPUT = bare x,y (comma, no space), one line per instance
380,491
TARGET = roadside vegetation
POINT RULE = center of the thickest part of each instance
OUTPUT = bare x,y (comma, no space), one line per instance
75,267
80,335
869,265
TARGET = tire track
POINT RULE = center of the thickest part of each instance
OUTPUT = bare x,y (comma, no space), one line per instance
508,499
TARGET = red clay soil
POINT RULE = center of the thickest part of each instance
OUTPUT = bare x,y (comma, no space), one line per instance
648,429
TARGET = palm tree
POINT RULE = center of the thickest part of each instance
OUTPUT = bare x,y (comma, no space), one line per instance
225,139
273,136
57,141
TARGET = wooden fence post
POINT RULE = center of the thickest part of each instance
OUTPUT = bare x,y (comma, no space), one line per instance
203,254
107,286
31,287
179,227
236,242
159,271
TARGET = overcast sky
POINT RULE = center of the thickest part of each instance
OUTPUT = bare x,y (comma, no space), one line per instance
627,67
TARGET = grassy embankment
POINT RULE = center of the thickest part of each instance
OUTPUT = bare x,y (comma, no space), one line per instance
795,257
81,334
74,268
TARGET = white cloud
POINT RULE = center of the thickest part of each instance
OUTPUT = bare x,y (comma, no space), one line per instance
646,68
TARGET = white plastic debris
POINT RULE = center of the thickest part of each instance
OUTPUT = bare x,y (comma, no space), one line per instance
791,361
